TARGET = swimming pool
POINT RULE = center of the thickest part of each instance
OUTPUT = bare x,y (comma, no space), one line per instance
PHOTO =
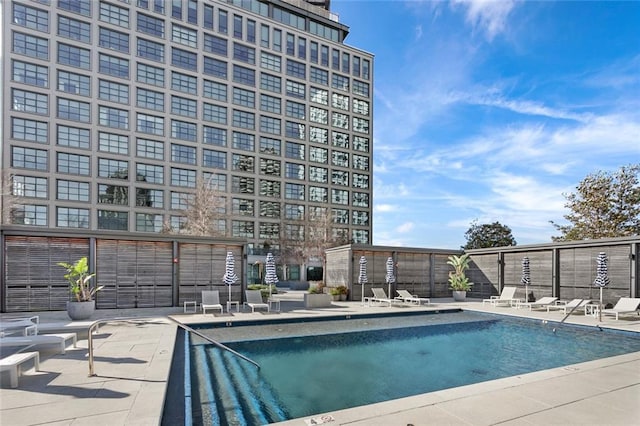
316,367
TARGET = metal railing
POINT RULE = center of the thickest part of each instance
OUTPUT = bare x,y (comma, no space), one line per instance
95,324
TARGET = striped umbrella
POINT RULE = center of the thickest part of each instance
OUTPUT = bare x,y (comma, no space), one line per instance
390,278
270,271
602,277
526,277
229,277
362,277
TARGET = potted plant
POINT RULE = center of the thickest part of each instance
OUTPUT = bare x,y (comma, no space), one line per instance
342,291
79,278
316,297
335,293
458,281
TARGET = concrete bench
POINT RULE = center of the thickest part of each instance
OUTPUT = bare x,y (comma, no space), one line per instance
13,363
57,340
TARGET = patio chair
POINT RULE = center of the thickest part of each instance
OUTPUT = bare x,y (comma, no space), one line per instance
543,302
22,326
254,300
505,297
407,297
210,300
567,307
59,340
626,305
381,297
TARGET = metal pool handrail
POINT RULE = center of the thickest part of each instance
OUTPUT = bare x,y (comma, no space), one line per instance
218,344
95,324
569,313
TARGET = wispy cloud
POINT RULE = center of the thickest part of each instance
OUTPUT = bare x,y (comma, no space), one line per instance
486,16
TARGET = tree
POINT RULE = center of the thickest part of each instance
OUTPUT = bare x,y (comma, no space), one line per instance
10,193
605,205
488,235
204,208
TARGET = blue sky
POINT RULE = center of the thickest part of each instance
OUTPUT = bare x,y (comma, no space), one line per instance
492,110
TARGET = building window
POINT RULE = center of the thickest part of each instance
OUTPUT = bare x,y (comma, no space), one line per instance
269,231
241,228
318,135
340,101
150,75
269,167
269,188
150,50
295,110
360,162
29,17
270,82
214,159
24,72
150,25
360,218
26,214
29,45
340,140
318,194
361,88
294,171
319,96
183,177
295,90
360,107
294,191
360,144
340,177
32,102
243,119
74,110
29,130
244,75
214,136
149,173
270,146
318,155
113,117
74,56
115,40
294,150
29,186
360,125
270,62
360,199
296,69
117,221
243,141
295,130
318,174
113,169
293,211
318,115
72,191
242,163
73,83
147,222
214,113
270,125
244,53
340,216
360,181
318,75
114,66
183,106
214,90
216,181
114,15
73,164
183,130
183,154
184,59
109,142
340,82
150,124
149,99
270,104
184,83
83,7
149,149
67,217
243,185
339,196
340,159
242,207
340,120
74,137
242,97
215,44
113,194
360,236
29,158
184,36
149,198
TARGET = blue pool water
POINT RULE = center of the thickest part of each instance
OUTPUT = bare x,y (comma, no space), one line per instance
303,374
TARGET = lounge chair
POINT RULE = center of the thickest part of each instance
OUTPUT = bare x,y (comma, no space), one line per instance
380,296
626,305
543,302
22,326
505,297
254,300
567,307
210,300
13,364
59,340
407,297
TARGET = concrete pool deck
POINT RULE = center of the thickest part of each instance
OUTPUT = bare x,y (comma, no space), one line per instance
132,361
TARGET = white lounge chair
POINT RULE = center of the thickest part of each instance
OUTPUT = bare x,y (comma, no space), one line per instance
254,300
13,364
505,297
210,300
543,302
407,297
22,326
626,305
59,339
570,306
380,296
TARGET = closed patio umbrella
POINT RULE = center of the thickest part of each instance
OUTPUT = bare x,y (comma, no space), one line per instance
526,277
390,277
602,277
362,277
271,277
229,277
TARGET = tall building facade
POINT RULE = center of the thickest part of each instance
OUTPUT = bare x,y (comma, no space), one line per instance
113,111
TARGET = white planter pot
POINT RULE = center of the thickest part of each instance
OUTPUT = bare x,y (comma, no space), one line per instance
80,310
459,295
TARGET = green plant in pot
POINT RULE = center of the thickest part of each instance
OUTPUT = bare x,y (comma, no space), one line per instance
79,279
458,281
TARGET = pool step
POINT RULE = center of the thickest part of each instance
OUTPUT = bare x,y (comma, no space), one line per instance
231,391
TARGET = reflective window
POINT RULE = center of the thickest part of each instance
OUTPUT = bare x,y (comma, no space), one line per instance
269,146
150,75
270,125
29,17
74,137
214,113
32,102
184,83
215,159
242,163
149,149
74,110
29,130
150,124
73,164
150,50
214,136
244,141
29,45
184,59
114,220
318,174
24,72
183,154
113,117
114,66
149,173
114,92
215,67
114,14
27,214
270,188
215,90
110,142
72,190
150,99
67,217
183,130
29,186
318,194
73,83
150,25
113,169
183,106
183,177
115,40
113,194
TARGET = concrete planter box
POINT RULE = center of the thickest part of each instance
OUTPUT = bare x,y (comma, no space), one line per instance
312,301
